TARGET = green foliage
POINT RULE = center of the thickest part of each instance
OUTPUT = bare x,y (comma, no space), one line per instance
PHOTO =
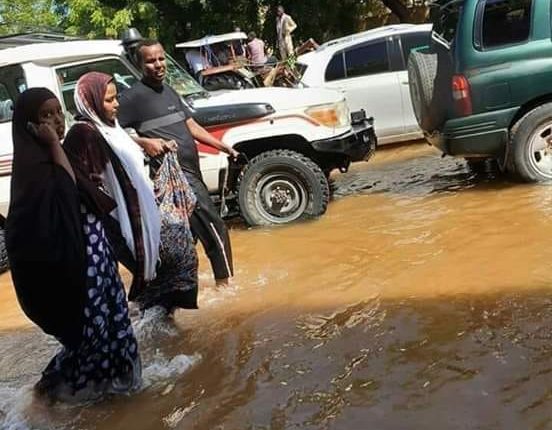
95,18
317,19
18,16
179,20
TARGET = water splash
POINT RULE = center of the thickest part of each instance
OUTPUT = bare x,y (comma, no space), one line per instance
13,403
213,296
21,410
154,323
161,368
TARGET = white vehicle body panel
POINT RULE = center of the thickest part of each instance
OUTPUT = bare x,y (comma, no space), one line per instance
385,96
39,62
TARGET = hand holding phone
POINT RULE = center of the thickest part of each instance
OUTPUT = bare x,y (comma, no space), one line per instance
43,132
32,128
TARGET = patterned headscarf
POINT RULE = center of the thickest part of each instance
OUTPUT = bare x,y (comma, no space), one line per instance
89,95
92,87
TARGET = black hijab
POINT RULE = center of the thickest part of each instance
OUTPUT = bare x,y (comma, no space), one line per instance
44,232
28,153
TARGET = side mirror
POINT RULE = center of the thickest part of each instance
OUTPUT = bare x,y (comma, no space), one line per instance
129,39
130,36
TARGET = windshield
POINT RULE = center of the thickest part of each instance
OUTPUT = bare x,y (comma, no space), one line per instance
180,79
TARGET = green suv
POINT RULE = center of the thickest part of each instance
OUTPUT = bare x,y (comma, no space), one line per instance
482,88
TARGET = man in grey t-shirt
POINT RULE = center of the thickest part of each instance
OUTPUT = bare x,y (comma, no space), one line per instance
158,115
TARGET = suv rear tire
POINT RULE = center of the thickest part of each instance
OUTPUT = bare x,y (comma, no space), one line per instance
281,186
430,74
529,155
422,68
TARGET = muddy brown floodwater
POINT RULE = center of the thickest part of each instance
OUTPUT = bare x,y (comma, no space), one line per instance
422,300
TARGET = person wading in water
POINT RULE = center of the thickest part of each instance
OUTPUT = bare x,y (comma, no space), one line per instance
158,115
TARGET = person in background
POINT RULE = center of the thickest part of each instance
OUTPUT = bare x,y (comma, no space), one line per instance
221,54
255,50
157,114
284,27
237,45
196,61
63,268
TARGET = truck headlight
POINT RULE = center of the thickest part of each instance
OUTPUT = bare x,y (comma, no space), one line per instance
331,115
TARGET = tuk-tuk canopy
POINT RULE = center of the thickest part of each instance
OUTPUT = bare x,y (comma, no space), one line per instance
211,40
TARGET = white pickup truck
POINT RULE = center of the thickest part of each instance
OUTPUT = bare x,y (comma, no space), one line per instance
291,138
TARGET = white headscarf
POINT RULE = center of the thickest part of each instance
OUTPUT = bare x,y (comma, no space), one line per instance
132,160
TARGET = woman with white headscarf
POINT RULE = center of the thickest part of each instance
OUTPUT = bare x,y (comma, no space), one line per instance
151,218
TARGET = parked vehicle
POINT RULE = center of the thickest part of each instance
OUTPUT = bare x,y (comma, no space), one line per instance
215,63
291,139
370,69
482,89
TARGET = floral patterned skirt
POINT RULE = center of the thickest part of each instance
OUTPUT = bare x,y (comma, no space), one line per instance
175,285
107,359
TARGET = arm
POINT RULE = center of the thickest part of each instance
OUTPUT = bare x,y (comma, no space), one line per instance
48,135
291,25
151,146
199,133
60,158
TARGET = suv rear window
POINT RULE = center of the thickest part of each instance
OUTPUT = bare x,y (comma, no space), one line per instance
505,22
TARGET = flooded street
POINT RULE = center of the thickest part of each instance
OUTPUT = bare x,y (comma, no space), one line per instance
421,300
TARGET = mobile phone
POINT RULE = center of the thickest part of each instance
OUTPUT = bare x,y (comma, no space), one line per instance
32,128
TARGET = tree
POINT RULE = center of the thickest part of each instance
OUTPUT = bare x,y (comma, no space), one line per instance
21,15
179,20
95,18
411,11
323,20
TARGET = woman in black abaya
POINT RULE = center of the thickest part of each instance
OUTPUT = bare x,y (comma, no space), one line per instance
63,269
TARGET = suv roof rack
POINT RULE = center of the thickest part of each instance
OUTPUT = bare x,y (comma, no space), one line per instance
27,38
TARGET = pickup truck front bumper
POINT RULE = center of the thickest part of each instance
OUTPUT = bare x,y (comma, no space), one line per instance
356,145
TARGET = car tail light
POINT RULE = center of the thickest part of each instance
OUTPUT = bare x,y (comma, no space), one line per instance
461,94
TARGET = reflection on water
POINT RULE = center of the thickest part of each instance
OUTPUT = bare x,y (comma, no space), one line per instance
421,300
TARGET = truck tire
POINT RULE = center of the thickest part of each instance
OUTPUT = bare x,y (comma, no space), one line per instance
429,79
332,185
281,186
4,264
529,155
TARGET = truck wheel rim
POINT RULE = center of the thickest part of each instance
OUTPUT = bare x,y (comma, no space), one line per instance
540,151
280,198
